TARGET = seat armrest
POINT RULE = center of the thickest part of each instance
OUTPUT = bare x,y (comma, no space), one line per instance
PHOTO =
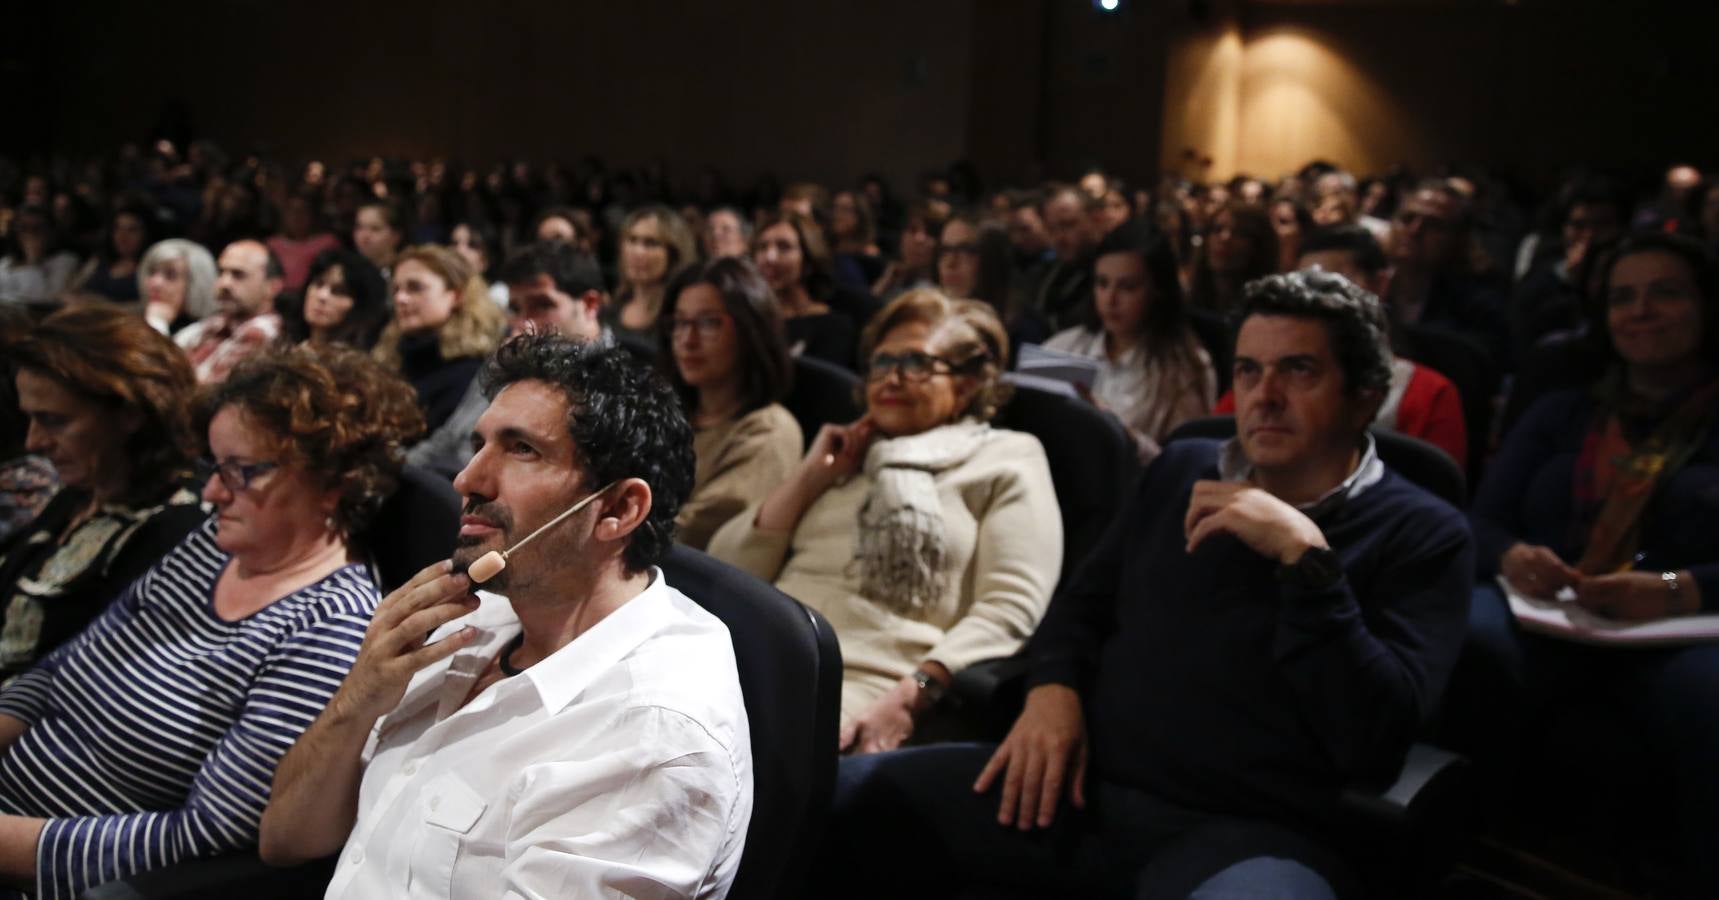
991,684
1432,786
238,874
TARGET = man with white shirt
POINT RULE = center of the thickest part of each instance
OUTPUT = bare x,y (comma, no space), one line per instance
583,735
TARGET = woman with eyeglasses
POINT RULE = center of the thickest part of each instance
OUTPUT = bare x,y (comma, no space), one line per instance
106,397
152,736
722,347
1154,373
976,261
930,540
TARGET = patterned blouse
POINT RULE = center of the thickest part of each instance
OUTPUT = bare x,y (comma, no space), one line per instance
51,588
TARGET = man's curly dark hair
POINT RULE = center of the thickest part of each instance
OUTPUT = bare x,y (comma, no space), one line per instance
1353,318
625,420
329,411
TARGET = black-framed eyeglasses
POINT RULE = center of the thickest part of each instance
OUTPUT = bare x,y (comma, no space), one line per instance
914,366
237,476
707,327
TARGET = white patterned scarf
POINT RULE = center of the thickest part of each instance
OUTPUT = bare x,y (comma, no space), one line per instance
903,549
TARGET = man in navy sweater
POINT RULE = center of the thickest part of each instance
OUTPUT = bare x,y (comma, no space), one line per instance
1266,623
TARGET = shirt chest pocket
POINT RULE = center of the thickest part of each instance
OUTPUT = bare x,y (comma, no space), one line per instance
450,810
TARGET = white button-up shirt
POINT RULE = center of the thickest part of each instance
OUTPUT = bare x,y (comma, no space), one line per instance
619,766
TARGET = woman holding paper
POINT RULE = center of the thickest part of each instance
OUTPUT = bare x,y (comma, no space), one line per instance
930,540
1608,497
1155,375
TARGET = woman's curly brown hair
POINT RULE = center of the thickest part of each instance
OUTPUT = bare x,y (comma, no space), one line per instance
330,412
115,358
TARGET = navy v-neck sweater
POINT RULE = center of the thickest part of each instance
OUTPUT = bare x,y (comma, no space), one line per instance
1209,681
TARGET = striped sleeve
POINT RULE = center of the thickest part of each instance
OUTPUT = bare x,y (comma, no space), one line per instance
223,810
27,695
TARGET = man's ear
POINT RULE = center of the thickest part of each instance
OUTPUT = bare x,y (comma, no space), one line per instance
625,509
1365,408
592,300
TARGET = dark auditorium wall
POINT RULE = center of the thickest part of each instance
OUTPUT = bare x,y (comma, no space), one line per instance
1058,84
828,89
819,90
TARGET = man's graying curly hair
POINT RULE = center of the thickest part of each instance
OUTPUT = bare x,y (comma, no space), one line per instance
1353,317
625,420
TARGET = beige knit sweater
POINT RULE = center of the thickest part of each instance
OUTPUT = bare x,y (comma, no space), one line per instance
1005,539
739,463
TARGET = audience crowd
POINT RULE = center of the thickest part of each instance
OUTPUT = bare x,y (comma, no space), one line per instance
217,367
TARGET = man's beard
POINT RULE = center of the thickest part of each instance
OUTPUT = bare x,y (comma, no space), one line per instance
468,550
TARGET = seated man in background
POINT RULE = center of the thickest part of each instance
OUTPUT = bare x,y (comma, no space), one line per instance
1267,623
552,288
248,278
1436,277
583,735
1061,288
1419,402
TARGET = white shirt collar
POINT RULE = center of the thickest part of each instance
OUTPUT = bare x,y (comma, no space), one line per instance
562,675
1233,465
559,677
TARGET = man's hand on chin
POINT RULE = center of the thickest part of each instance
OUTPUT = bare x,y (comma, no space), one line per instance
1269,526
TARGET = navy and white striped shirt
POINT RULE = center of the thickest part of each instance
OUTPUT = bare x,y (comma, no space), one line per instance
154,735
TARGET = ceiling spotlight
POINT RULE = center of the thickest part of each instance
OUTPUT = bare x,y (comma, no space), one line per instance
1108,6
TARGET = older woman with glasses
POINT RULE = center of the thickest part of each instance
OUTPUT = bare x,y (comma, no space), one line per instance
929,539
725,353
152,736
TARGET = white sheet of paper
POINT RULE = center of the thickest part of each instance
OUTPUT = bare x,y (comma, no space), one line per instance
1055,364
1573,623
1049,385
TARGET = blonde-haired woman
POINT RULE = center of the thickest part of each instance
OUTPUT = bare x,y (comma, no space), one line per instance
444,325
655,245
929,539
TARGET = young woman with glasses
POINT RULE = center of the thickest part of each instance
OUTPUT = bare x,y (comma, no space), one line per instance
723,348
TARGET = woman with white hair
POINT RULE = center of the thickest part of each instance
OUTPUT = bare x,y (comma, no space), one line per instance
177,281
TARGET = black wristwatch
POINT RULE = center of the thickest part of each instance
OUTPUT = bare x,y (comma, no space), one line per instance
930,689
1318,569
